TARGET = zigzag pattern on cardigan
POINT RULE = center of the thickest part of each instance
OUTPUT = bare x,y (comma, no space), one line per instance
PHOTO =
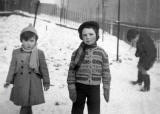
94,68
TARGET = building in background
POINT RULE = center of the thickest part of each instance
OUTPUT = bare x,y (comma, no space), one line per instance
24,5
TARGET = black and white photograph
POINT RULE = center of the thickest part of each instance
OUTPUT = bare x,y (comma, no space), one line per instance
79,56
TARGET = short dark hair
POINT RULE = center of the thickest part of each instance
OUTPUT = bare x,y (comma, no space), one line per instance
89,24
27,35
131,34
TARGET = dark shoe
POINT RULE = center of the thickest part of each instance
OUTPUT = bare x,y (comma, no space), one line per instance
147,79
136,82
144,89
139,80
146,83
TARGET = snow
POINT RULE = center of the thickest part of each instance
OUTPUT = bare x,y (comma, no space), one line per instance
57,2
50,1
58,43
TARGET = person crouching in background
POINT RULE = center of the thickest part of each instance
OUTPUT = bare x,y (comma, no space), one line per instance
146,51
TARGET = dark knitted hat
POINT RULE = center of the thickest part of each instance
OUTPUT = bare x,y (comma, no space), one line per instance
89,24
131,34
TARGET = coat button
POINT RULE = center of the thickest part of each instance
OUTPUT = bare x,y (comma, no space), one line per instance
22,67
21,73
29,72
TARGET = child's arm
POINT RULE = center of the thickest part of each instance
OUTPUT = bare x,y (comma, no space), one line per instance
44,70
71,73
71,80
11,72
106,76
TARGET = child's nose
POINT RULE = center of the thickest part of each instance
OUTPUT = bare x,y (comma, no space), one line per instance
29,44
88,36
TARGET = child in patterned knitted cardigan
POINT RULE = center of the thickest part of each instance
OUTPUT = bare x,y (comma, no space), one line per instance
89,65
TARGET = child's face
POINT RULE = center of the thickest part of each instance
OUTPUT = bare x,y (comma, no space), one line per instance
30,43
88,36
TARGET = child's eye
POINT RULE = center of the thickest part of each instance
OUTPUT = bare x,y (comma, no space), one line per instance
84,34
91,34
32,40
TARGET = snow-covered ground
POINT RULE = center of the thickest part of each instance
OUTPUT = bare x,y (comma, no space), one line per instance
58,43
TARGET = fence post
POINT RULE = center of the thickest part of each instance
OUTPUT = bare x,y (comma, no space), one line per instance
158,50
37,5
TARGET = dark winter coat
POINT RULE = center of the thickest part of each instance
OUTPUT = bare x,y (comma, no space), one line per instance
27,85
146,51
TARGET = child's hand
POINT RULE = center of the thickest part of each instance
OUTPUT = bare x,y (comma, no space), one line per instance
73,95
106,94
46,88
6,85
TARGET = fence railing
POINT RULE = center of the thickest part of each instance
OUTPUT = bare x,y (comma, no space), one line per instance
66,14
70,17
157,43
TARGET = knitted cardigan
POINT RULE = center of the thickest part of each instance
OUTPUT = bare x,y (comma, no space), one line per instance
94,68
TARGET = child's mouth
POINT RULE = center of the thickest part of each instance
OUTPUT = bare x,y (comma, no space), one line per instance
28,47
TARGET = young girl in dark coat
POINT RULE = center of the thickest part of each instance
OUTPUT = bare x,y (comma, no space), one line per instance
27,70
89,65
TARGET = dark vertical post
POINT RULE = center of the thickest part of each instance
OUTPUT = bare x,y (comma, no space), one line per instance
67,11
118,30
36,11
62,11
5,5
97,11
103,18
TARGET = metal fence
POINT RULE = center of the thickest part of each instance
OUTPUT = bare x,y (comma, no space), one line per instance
157,43
65,14
68,16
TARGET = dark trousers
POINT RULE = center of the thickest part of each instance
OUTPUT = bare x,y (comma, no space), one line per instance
146,82
140,77
144,78
26,110
92,93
